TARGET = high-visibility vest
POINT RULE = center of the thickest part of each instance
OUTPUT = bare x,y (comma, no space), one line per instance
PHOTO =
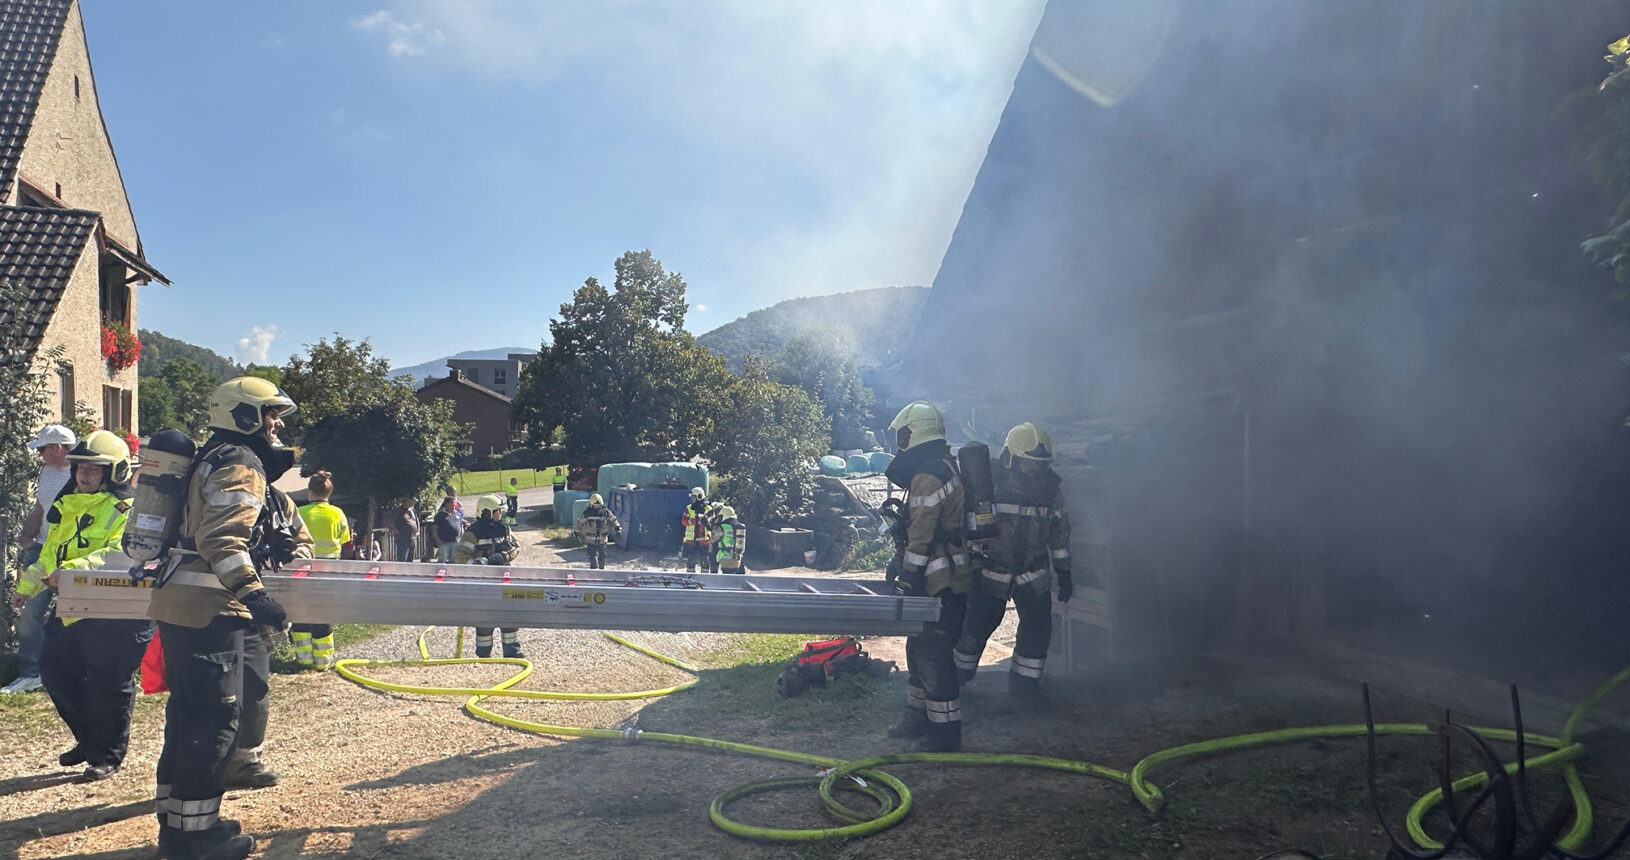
329,529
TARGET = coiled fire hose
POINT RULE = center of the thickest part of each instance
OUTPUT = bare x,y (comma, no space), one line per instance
891,799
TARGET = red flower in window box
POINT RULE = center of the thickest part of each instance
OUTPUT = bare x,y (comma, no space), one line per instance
120,346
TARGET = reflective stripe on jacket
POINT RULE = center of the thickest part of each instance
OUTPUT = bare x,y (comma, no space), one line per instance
84,529
329,530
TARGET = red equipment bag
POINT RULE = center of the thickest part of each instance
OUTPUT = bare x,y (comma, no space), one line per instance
820,661
152,667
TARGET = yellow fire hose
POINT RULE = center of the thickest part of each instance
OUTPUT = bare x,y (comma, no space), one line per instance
863,777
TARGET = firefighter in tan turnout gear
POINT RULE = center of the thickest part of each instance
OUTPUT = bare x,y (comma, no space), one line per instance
931,562
596,527
208,600
488,541
1031,548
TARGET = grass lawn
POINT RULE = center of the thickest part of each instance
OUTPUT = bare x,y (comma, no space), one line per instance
472,483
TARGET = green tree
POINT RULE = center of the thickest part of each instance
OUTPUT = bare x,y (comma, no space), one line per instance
270,373
191,386
620,375
768,446
156,406
24,379
386,450
829,377
1602,143
335,377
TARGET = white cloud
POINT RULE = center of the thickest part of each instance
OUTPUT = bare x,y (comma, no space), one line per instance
402,39
253,347
884,109
702,308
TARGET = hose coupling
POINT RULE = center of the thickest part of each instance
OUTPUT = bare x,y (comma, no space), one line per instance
631,735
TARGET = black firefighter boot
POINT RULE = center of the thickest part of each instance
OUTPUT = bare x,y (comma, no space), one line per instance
913,725
246,771
941,738
1026,692
222,841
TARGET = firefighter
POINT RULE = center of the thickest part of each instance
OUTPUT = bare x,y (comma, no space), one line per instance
1031,549
208,602
696,520
330,538
89,665
930,561
732,542
488,541
715,531
596,527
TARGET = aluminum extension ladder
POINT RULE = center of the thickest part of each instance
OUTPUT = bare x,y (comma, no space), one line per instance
330,591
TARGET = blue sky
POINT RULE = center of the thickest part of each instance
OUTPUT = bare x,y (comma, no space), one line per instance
439,176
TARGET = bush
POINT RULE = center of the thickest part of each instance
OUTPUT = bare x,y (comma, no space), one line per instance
521,458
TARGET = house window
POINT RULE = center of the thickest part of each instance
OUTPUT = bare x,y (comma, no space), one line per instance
65,384
499,377
116,403
76,88
115,295
59,190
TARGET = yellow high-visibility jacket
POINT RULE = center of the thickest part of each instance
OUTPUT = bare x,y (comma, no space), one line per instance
84,529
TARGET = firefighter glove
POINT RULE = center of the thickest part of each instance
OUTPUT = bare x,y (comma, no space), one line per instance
265,609
1066,586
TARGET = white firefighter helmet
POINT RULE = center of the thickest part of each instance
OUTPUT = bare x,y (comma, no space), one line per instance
1027,442
490,503
107,449
240,404
727,512
698,493
917,423
594,499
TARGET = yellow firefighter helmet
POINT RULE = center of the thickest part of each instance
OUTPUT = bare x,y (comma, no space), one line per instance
595,499
491,502
106,449
727,513
240,404
1027,442
698,493
917,423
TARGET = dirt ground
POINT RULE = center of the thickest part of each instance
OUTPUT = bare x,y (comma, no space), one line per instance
369,774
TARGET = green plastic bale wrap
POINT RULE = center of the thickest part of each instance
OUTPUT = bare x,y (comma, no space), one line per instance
880,461
563,505
578,507
684,474
857,464
832,466
621,475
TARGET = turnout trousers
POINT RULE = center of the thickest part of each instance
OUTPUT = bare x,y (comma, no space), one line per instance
700,553
89,670
217,676
1032,595
597,556
511,637
932,684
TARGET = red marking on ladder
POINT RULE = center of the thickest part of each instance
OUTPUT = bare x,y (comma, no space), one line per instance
441,574
506,577
373,572
302,570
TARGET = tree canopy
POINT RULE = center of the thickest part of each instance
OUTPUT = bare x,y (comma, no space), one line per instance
620,375
335,377
1602,142
177,396
833,381
773,435
392,449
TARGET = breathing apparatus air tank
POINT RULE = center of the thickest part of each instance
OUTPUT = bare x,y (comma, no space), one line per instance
978,491
155,514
